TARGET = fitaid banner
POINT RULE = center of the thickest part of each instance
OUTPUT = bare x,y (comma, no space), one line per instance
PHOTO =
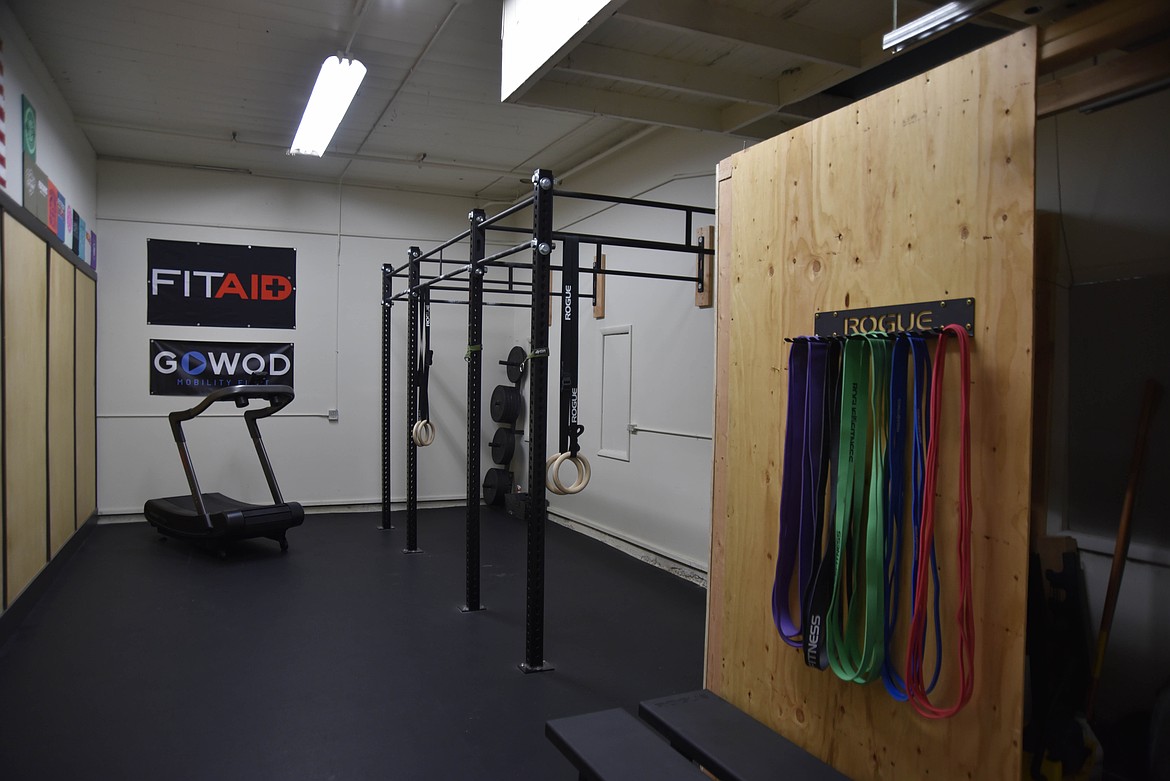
182,368
230,285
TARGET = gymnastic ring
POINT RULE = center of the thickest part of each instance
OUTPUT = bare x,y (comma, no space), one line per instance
423,433
555,461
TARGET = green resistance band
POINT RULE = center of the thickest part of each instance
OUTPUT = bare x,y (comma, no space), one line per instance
856,639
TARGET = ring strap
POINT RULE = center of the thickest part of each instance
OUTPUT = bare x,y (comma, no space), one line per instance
570,428
425,357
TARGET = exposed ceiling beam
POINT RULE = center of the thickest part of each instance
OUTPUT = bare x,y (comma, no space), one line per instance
642,69
616,105
726,22
740,115
814,106
1099,29
808,80
1138,70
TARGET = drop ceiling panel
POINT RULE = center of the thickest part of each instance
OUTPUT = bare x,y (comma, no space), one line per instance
223,82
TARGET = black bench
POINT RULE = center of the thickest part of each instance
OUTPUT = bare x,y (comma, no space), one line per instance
611,745
732,745
702,729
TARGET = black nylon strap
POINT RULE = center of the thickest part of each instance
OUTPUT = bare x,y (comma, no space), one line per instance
424,358
570,429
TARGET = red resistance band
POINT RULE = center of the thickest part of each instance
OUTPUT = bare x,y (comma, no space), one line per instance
915,687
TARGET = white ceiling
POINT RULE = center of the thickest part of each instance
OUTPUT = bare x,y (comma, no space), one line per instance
222,83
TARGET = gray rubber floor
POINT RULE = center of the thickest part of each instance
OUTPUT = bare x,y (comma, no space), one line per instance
343,659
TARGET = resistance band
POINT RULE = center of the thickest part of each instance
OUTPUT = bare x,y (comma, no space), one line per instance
905,348
423,432
855,622
802,493
570,428
916,689
819,592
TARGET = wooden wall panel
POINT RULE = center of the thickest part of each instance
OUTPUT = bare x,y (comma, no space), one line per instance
62,510
86,398
25,368
922,192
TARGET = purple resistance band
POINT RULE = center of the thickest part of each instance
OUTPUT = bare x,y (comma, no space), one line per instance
811,379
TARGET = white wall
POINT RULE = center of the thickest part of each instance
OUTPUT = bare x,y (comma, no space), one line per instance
63,151
342,237
661,498
1108,173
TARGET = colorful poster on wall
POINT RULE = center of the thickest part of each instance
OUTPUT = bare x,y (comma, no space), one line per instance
36,190
51,219
28,127
237,286
184,368
61,206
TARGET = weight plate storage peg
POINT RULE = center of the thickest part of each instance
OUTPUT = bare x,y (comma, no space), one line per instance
503,446
505,405
497,483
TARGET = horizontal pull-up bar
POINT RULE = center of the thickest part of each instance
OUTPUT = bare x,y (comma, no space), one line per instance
633,202
619,241
602,272
496,303
513,304
463,269
507,212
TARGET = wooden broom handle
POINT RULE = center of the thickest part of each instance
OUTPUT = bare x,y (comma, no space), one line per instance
1121,546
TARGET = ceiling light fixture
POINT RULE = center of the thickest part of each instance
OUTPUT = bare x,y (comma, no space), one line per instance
933,23
336,85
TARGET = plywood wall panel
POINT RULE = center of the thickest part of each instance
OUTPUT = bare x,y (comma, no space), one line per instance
86,398
922,192
25,368
62,510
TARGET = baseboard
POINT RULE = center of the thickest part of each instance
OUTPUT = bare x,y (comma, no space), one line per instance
682,569
13,617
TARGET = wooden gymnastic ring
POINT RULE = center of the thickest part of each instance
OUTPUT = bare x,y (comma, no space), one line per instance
423,433
555,461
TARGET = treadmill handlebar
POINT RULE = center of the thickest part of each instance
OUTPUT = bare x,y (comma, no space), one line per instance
278,397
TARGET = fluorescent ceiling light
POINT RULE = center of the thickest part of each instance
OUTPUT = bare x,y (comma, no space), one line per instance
933,23
336,85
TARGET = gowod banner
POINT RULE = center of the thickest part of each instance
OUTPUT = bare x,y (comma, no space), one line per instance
197,368
196,283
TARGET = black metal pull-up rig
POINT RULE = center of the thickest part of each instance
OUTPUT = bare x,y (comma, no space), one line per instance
541,242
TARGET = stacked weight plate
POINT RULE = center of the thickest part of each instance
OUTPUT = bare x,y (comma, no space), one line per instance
506,404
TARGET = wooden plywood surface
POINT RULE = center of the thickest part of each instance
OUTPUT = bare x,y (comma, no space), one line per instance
922,192
62,511
25,367
85,398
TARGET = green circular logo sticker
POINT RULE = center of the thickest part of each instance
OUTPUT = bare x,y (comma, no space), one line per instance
30,130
